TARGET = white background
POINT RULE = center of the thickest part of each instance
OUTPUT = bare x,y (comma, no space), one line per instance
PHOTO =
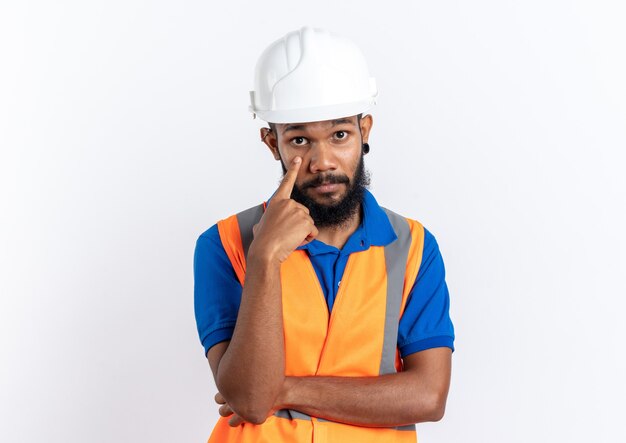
124,134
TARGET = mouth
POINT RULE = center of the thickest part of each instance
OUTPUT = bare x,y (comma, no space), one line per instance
324,188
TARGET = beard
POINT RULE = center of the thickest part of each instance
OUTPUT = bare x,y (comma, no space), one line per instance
341,212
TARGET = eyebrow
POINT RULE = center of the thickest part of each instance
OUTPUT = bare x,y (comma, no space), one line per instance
293,128
336,122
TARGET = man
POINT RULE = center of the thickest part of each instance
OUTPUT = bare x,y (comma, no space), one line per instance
324,317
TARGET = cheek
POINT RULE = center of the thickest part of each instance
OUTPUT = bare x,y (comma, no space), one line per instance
286,155
286,158
277,154
350,160
346,157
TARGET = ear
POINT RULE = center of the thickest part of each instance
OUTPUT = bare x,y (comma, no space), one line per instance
366,126
269,138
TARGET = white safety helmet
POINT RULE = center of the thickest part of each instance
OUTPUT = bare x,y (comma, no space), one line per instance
311,75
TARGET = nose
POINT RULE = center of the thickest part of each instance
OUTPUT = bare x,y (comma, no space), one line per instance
321,158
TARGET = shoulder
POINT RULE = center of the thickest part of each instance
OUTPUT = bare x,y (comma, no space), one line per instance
227,241
212,235
209,235
209,247
208,239
430,243
406,226
415,227
424,247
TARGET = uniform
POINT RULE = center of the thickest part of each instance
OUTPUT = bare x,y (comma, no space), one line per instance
377,325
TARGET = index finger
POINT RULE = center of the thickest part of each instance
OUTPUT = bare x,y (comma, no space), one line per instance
289,180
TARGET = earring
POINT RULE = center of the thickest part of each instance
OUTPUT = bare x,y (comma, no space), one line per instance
366,148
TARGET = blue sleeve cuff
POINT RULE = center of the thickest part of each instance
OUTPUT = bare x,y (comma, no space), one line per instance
442,341
217,336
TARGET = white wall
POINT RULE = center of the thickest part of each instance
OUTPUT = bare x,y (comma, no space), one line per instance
124,134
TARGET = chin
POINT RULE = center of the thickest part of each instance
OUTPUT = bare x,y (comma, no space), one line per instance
328,199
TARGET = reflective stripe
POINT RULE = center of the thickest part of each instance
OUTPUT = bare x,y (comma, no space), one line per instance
396,254
405,428
291,414
247,219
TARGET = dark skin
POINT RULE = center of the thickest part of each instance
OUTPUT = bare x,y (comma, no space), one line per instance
327,147
249,369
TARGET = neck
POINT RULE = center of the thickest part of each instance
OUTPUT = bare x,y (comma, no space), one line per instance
337,236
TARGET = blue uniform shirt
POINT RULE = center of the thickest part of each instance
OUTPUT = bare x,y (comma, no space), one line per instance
424,324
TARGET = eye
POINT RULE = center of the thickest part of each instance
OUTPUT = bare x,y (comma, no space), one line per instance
299,141
341,135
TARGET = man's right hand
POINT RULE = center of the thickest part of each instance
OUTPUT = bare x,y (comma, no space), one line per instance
285,225
250,369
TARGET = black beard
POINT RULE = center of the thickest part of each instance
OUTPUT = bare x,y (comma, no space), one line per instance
340,213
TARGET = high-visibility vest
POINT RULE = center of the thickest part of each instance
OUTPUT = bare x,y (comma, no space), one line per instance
357,339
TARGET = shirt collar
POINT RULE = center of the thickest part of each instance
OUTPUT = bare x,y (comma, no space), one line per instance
376,223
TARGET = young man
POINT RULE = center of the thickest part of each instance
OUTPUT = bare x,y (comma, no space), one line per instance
324,317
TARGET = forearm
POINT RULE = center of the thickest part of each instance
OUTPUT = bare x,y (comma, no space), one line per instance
251,371
387,400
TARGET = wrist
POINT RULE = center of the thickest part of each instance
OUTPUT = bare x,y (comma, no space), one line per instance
261,257
285,396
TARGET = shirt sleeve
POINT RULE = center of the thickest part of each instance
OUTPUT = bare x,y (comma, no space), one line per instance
217,291
426,321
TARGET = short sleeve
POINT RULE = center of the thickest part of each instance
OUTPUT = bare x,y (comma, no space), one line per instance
217,291
426,321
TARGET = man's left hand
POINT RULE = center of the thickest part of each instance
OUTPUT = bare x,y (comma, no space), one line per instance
226,411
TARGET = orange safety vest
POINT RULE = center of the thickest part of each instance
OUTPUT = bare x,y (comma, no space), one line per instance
357,339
